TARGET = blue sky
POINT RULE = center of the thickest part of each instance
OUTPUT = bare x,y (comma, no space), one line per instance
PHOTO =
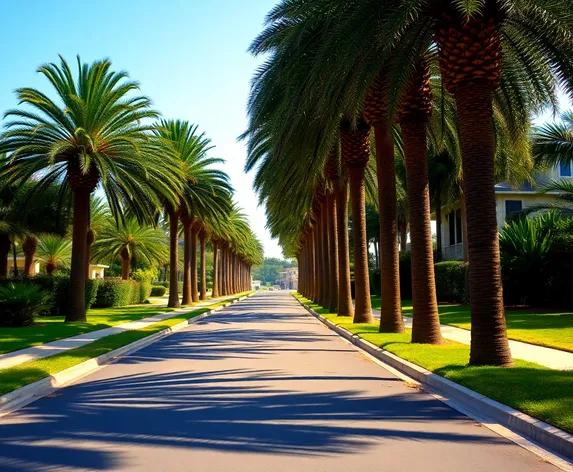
188,55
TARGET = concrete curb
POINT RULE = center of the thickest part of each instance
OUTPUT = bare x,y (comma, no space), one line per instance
540,432
12,401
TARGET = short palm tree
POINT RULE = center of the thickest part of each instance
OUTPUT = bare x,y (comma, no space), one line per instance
131,240
54,252
91,134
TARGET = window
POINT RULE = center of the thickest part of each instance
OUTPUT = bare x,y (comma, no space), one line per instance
452,225
512,207
565,170
459,232
455,227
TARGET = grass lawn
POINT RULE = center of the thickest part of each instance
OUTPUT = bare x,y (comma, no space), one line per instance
541,392
551,329
29,372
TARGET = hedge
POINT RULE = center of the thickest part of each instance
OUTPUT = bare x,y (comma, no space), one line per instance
114,292
451,281
158,291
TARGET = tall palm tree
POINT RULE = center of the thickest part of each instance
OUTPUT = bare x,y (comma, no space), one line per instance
131,240
91,135
205,195
53,252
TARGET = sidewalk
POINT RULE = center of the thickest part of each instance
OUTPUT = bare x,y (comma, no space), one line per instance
13,358
552,358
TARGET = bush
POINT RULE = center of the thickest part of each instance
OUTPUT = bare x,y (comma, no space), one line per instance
158,290
144,277
405,278
113,292
162,284
21,302
450,281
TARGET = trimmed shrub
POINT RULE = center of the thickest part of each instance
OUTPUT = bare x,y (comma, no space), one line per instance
450,281
21,302
113,292
61,294
163,284
158,290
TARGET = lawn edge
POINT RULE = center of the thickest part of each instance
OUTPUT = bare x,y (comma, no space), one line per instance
475,403
19,398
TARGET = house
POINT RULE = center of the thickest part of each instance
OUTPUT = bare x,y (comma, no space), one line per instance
288,279
509,202
97,271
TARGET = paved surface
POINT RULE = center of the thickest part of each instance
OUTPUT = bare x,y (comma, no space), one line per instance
13,358
261,386
552,358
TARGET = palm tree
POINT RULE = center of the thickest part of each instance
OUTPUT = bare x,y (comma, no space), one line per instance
206,194
95,137
131,240
54,252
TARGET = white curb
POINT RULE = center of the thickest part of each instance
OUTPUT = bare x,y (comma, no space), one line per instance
12,401
543,433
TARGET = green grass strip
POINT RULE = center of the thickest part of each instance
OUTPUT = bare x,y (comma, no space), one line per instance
26,373
541,392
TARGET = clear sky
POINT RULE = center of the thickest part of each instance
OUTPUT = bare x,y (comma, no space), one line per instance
190,57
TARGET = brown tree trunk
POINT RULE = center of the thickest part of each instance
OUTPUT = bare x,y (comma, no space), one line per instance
173,301
50,268
363,308
77,308
194,292
333,252
125,263
489,345
5,244
312,266
203,294
391,320
318,256
29,246
325,302
89,241
224,270
215,291
186,298
425,321
345,307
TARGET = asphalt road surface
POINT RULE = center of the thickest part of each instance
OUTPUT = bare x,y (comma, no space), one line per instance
260,386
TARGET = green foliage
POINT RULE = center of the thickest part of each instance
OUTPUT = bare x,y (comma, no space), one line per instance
158,290
21,302
450,281
61,294
145,279
268,272
117,292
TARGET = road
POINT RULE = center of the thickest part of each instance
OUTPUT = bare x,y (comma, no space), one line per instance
260,386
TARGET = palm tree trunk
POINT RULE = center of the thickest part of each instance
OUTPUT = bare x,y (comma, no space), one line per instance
489,345
77,308
29,246
203,290
89,241
187,298
215,290
194,292
391,320
125,263
5,245
363,308
425,322
325,302
318,257
438,204
224,270
312,265
333,252
345,307
173,301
